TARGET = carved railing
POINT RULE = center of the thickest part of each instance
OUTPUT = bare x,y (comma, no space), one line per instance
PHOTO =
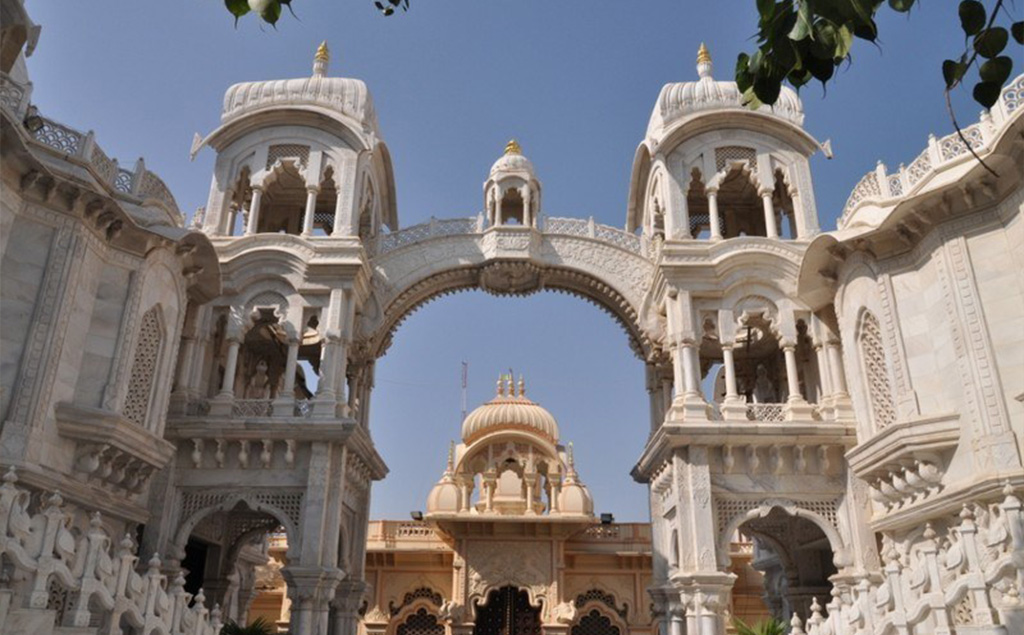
963,570
579,227
79,580
252,408
879,186
769,412
139,183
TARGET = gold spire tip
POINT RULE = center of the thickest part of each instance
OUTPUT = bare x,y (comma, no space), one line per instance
512,147
323,54
703,56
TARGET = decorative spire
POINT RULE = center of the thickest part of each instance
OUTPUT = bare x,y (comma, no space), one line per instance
703,61
522,387
511,385
449,470
703,56
512,147
321,59
570,470
501,385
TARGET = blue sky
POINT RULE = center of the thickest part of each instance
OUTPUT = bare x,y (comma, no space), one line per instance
574,81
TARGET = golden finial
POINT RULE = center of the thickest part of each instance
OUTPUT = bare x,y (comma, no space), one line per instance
451,456
501,385
512,147
703,56
522,386
322,53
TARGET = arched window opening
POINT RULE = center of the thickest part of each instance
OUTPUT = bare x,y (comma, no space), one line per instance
697,205
307,371
792,559
271,590
594,623
283,203
238,204
875,364
326,198
144,366
512,208
673,550
262,359
740,206
367,223
233,555
784,206
809,375
420,623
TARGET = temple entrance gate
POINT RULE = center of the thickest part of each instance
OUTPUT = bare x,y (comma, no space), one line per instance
507,611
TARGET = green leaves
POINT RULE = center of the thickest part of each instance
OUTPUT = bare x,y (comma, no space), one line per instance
972,16
953,72
237,8
991,42
800,40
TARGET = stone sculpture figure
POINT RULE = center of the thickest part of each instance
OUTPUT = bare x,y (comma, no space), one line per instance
764,391
259,383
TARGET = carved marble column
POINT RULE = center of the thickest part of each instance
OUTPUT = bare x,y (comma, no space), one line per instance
771,229
716,224
797,408
307,218
254,210
285,401
734,406
841,401
688,404
339,215
227,388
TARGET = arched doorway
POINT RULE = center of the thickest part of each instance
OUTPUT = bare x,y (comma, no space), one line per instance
507,612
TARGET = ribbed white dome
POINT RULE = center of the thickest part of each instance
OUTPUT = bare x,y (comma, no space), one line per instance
687,98
347,96
512,162
509,412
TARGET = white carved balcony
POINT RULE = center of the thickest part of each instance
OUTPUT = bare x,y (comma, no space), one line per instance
905,463
111,450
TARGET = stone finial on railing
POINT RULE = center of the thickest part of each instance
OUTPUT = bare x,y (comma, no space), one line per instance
91,570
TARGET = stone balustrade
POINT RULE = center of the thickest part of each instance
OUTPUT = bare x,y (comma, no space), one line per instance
964,571
65,579
881,187
139,183
578,227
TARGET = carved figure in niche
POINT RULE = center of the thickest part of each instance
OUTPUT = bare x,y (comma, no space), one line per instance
764,390
259,384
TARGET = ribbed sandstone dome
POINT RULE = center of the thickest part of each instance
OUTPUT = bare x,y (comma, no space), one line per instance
509,412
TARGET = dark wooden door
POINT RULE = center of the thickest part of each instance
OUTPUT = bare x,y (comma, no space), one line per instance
507,612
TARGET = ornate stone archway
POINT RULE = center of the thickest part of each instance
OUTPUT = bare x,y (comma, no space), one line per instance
603,265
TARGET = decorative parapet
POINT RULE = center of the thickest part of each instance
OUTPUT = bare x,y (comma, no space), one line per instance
139,186
110,450
76,581
905,463
961,569
475,225
880,187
